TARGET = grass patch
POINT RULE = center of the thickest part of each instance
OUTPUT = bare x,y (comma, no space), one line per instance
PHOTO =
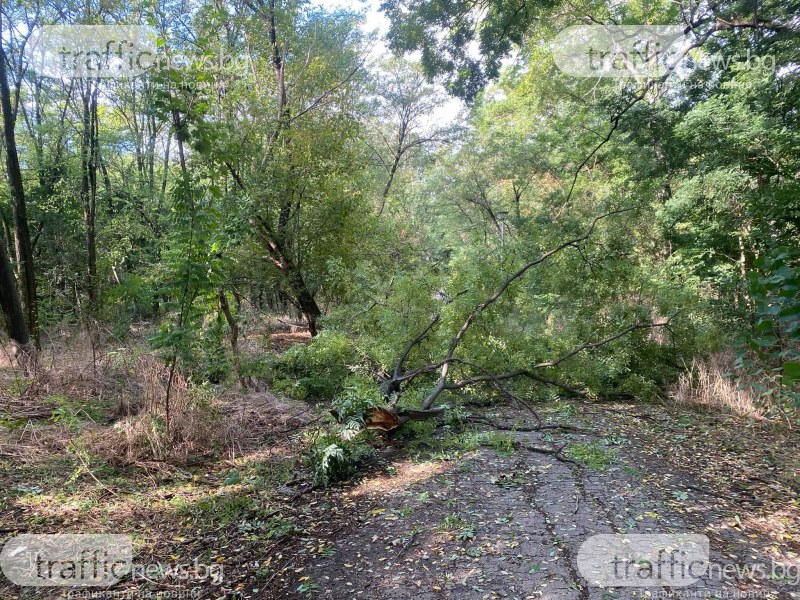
593,455
502,443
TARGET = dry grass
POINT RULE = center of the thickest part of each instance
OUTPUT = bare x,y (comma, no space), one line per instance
190,426
127,385
707,384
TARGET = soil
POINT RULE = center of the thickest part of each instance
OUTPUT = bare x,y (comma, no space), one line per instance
509,525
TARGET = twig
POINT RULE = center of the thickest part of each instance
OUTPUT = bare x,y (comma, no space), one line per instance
523,428
557,452
407,545
92,475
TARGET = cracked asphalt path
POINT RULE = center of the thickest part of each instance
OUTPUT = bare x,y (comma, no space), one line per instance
509,525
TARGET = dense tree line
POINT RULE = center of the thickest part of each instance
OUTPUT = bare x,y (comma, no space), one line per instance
564,235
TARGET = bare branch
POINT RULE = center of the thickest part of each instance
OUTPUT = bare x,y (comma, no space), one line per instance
410,346
604,341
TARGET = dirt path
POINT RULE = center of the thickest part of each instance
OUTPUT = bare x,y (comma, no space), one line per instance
509,525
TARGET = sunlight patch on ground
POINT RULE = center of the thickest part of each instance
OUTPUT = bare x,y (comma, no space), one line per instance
780,527
408,474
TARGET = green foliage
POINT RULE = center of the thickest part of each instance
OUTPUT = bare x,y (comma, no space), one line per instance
444,31
280,528
308,588
316,371
421,431
503,443
12,423
133,299
350,407
211,361
466,534
593,455
452,522
772,353
221,509
278,194
70,412
258,365
332,458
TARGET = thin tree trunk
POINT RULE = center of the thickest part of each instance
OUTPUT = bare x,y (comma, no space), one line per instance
165,172
310,309
226,310
89,185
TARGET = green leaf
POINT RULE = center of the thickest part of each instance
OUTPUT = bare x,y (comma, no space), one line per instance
233,478
791,370
766,342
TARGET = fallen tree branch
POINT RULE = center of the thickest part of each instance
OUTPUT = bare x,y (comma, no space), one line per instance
440,386
558,453
392,386
524,428
495,378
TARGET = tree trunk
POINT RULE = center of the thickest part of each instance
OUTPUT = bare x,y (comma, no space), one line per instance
226,310
20,212
89,185
12,308
308,306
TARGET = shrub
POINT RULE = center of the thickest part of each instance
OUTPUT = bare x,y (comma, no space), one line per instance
769,354
333,458
315,371
197,424
258,366
211,361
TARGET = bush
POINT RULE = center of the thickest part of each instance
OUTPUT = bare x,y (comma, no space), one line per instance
350,407
315,371
211,361
769,353
198,424
259,366
131,300
333,458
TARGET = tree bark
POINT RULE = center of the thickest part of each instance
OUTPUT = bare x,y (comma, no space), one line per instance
226,310
309,307
89,153
22,233
301,295
12,308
